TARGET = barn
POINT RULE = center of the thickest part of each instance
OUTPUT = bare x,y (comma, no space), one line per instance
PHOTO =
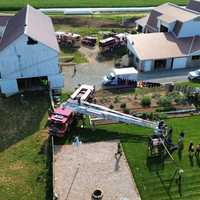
29,53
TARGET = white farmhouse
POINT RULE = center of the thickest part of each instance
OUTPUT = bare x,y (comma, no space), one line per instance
170,38
29,53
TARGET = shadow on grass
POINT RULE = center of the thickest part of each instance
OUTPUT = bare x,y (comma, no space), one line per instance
19,120
69,50
86,135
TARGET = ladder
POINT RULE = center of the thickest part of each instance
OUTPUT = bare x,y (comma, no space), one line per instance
103,112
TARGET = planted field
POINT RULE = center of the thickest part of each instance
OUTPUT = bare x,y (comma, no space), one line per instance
23,171
134,141
16,4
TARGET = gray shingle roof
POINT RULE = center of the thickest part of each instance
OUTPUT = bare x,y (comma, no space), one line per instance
32,23
4,19
194,5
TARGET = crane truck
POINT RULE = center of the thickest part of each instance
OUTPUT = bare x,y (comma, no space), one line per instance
61,118
80,102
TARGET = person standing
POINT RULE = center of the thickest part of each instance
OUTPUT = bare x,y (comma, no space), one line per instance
191,153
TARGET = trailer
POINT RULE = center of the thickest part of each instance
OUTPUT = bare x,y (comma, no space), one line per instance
89,41
111,43
68,39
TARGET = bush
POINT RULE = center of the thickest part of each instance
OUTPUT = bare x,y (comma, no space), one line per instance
146,101
111,106
123,105
180,99
126,110
116,100
165,102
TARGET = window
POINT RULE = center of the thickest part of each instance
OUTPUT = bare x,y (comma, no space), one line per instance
196,57
31,41
136,59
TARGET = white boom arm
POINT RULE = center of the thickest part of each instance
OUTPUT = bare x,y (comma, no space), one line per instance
106,113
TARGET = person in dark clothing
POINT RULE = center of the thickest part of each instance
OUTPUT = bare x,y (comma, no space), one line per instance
197,151
119,151
191,153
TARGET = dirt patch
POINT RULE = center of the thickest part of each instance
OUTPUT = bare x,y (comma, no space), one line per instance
81,170
86,22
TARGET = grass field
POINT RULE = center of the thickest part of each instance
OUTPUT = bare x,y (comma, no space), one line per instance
134,141
16,4
23,161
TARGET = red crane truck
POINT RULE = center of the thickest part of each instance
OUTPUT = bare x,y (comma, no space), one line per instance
61,118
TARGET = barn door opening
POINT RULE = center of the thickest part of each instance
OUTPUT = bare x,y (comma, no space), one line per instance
33,84
160,64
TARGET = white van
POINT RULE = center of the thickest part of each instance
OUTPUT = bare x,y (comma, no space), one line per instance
129,74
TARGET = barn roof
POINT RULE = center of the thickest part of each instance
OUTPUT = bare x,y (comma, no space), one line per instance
194,5
32,23
4,19
163,45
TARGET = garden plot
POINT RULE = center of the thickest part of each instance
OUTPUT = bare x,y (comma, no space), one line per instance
143,100
79,171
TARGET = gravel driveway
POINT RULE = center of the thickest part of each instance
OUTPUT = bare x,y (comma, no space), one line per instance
86,74
93,74
79,171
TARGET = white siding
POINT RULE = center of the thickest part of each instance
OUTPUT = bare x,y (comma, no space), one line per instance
9,87
190,28
56,81
130,47
179,63
147,65
20,60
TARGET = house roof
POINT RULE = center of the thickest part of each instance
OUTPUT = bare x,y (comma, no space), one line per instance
194,5
176,12
142,21
4,19
163,45
169,13
32,23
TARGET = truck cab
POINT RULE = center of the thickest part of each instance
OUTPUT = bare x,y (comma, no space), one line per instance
110,79
60,121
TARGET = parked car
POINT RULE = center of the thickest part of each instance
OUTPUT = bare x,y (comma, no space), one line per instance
194,75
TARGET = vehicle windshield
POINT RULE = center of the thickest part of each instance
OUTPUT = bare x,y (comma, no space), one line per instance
54,124
110,77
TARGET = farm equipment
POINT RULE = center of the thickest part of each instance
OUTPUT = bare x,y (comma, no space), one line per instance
68,39
111,43
89,41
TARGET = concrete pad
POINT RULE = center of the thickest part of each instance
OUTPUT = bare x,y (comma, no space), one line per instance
81,170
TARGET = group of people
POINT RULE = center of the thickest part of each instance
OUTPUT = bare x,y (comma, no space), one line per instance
136,84
132,83
194,151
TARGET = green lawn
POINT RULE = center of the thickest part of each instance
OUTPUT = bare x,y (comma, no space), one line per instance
16,4
72,55
134,142
23,161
